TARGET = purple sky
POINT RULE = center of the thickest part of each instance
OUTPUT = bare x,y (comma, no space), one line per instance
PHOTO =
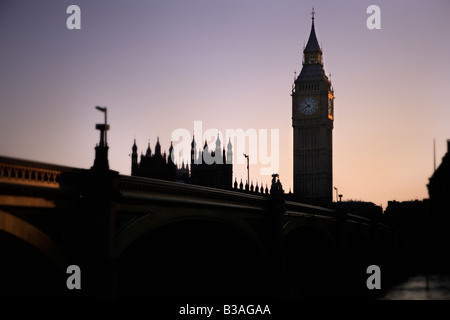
161,65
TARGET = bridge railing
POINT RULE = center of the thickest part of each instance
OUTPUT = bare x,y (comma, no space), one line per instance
18,172
161,190
307,210
33,173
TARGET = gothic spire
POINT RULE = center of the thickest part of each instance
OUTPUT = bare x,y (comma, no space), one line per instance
149,150
313,44
157,147
229,152
229,146
171,155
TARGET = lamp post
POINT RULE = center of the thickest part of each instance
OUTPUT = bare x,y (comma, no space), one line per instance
336,194
248,168
101,151
105,127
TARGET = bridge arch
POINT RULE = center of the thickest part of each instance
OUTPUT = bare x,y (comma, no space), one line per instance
358,253
194,256
358,247
32,264
152,221
319,229
30,234
309,252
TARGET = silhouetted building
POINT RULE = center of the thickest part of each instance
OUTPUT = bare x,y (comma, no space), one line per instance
154,165
407,214
212,168
409,223
439,191
439,221
208,168
183,173
312,120
362,208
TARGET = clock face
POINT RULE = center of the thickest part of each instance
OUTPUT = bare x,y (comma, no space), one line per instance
308,106
330,107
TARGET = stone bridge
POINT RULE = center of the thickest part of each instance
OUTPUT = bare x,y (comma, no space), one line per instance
146,238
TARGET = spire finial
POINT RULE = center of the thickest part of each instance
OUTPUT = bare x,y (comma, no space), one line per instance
312,14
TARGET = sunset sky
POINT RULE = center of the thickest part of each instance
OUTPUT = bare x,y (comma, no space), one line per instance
158,66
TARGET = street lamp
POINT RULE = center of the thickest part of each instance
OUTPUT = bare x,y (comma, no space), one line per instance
103,128
101,151
102,109
336,194
248,168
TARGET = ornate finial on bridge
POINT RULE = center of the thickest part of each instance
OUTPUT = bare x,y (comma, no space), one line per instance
101,151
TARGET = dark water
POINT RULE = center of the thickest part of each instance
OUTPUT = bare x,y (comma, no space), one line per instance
415,288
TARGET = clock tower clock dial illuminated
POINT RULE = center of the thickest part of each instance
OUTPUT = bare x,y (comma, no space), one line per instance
330,107
308,106
312,121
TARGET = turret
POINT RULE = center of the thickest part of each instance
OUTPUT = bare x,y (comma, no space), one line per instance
148,154
229,152
312,53
193,148
218,145
134,159
171,155
157,148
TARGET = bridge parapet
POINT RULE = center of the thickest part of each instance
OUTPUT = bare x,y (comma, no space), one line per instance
297,208
35,174
94,216
160,190
29,175
352,218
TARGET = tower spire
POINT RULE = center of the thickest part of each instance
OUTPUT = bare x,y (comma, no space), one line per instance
312,46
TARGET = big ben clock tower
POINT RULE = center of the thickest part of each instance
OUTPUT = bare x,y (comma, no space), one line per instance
312,120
